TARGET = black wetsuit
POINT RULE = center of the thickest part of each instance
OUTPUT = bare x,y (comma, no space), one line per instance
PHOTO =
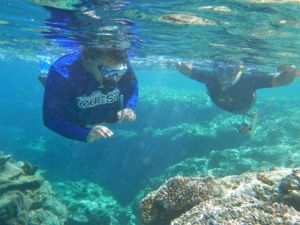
238,98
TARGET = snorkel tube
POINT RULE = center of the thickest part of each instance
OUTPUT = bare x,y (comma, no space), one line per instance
238,74
229,74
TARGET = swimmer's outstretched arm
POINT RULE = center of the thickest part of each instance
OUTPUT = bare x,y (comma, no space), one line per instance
190,71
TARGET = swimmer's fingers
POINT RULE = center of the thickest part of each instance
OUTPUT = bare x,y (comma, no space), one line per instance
121,115
99,132
126,114
131,116
102,131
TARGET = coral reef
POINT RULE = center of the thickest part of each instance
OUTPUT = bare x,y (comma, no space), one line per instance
26,198
90,204
250,198
176,196
290,188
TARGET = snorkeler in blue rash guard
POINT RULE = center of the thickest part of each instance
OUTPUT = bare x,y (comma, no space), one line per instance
233,89
89,87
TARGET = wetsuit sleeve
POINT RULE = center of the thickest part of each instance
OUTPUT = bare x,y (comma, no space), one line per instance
55,98
202,75
129,88
260,80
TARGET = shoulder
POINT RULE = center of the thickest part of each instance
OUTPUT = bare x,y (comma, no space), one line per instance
129,73
63,64
255,75
258,79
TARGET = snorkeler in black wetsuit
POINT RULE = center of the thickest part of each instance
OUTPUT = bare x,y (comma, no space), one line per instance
233,89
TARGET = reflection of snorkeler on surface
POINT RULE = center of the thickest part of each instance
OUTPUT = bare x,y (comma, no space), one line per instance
233,89
71,29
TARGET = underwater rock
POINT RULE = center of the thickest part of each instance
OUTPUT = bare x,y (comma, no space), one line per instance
290,188
176,196
180,18
99,216
27,167
235,213
27,199
10,171
14,208
4,159
250,198
22,184
45,198
41,216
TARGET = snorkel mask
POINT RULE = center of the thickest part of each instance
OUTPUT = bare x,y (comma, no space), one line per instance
228,75
113,73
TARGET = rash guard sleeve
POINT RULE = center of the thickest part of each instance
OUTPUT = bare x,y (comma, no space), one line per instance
202,76
258,80
55,99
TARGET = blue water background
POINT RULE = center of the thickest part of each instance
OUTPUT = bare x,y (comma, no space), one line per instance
117,163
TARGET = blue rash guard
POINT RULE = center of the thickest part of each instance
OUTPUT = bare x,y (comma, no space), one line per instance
239,98
74,99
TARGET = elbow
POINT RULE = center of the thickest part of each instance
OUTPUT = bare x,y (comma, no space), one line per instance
48,123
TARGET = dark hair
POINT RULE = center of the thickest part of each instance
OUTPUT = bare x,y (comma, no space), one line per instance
116,53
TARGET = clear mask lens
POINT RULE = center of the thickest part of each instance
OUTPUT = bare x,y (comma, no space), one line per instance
113,72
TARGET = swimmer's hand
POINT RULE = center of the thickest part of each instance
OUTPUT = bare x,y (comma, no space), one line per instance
286,76
291,69
184,68
98,132
126,114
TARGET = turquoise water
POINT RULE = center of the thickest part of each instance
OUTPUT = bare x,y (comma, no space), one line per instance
178,130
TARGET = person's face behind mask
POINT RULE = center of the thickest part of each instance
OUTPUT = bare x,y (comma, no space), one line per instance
111,73
228,75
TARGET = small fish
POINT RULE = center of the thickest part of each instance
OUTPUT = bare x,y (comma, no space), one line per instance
298,74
